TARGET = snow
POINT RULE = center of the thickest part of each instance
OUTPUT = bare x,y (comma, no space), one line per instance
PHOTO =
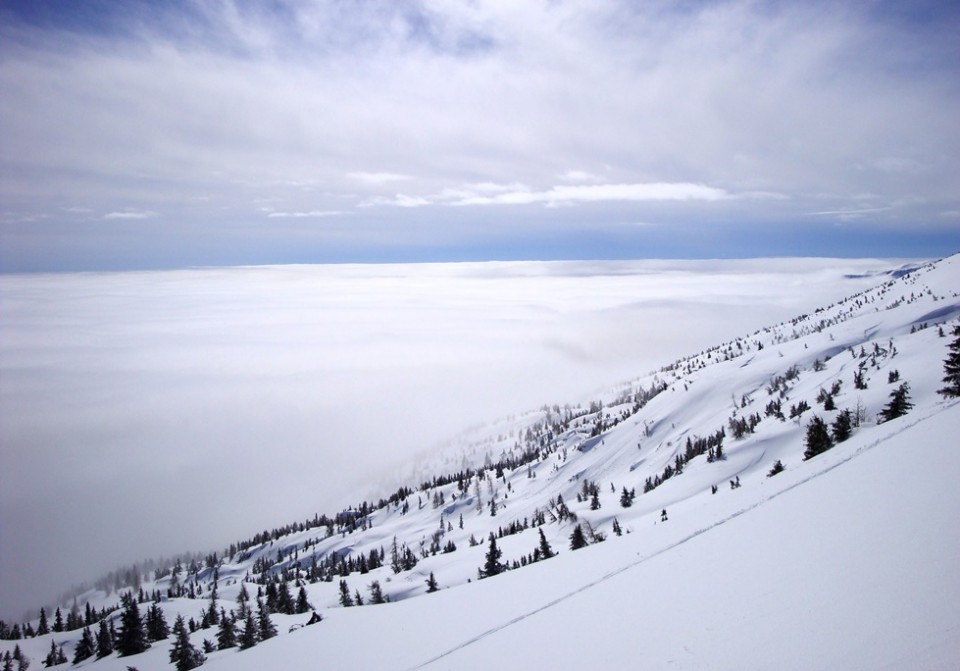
847,560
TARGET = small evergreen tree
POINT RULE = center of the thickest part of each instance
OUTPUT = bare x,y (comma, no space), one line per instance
616,527
432,585
625,499
183,653
376,594
776,468
595,499
302,605
157,628
249,635
43,628
104,640
951,367
898,405
842,426
265,627
86,648
577,538
346,600
492,565
285,603
818,438
227,633
242,598
132,638
546,552
52,657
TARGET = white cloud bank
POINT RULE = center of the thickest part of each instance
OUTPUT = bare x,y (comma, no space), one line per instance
168,411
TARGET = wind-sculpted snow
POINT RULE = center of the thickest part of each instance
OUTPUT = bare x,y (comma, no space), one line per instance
845,560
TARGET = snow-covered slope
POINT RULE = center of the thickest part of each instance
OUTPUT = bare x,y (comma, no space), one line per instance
844,560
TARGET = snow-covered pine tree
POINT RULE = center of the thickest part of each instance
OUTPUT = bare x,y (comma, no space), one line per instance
898,405
951,367
577,538
265,627
86,647
492,565
104,640
227,632
132,637
249,635
818,438
545,550
182,653
302,605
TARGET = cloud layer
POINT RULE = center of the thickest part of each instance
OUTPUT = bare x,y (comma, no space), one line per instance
143,414
677,114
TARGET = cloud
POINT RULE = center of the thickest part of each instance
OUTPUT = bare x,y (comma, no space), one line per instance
848,214
311,213
131,214
323,107
377,178
190,409
601,192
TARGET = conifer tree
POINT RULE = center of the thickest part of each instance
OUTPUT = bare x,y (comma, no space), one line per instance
376,594
898,405
132,638
157,628
104,640
249,635
86,648
625,499
183,653
43,628
51,658
432,585
227,633
58,622
545,550
212,615
285,603
302,605
346,600
775,469
842,426
242,598
265,627
577,539
951,367
492,565
616,527
818,438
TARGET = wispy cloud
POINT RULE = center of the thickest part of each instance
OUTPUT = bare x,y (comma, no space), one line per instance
307,214
378,178
847,214
131,214
557,195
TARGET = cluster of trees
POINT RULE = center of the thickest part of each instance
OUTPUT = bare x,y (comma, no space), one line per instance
712,445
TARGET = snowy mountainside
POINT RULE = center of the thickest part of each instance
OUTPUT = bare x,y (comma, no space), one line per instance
693,442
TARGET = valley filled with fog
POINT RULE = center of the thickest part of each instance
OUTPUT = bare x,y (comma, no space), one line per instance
159,412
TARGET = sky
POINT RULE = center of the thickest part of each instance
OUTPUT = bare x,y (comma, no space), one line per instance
149,413
142,135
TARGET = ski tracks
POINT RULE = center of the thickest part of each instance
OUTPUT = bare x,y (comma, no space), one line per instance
612,574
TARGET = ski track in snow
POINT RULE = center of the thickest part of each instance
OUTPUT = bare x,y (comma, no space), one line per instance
863,449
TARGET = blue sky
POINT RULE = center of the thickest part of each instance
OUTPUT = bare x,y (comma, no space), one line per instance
163,135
